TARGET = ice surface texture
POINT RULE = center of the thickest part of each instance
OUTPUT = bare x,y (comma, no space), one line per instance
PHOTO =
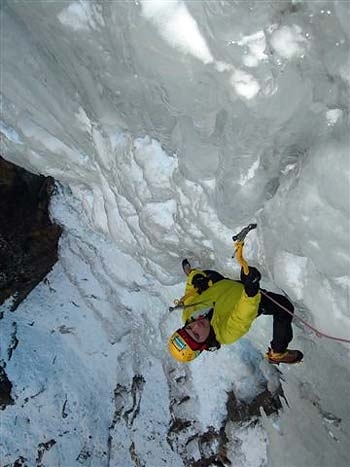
171,125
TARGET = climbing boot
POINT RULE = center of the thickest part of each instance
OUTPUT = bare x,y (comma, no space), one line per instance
289,356
186,266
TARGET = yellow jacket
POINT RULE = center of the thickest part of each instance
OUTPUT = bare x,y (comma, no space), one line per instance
234,311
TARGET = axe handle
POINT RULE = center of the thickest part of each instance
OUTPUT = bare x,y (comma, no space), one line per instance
239,255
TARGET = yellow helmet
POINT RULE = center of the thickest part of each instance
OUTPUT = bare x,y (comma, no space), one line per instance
179,346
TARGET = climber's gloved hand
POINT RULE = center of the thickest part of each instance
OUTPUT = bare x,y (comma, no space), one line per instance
251,281
200,283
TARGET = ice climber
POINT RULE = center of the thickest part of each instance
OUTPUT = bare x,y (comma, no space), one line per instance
218,311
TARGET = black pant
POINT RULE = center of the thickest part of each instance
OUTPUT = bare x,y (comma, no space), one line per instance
282,321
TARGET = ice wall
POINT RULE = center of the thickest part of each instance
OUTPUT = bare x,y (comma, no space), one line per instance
175,123
248,101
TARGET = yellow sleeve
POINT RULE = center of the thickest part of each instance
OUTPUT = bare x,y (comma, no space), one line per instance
240,319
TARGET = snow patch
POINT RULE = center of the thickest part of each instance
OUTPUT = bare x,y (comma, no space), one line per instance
83,120
81,15
244,178
256,45
245,84
176,25
333,116
289,41
156,165
290,273
10,133
158,219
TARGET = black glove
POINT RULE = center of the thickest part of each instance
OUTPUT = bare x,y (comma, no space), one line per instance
251,281
200,282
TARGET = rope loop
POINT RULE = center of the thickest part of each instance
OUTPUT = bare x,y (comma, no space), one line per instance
316,331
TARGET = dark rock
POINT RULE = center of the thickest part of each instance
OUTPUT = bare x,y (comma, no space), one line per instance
42,447
28,238
20,462
5,389
239,411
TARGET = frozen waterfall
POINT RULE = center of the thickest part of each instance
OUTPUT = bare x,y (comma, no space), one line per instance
168,126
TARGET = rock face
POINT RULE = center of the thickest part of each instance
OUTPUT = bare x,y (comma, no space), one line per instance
28,238
28,242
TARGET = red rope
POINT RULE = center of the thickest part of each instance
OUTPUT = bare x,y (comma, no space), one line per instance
318,333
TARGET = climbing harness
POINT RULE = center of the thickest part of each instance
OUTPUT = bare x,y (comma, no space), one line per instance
180,303
239,243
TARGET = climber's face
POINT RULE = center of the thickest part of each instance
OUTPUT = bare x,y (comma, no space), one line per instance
199,330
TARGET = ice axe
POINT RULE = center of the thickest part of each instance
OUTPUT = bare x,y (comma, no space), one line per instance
239,244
